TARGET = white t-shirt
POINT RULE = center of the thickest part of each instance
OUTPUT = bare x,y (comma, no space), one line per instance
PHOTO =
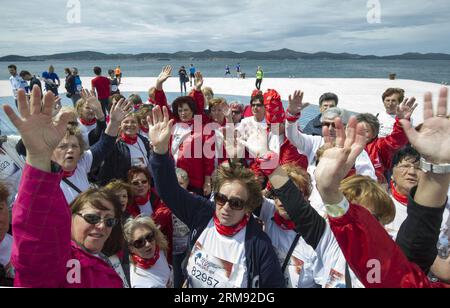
138,154
181,132
158,276
85,130
217,261
387,122
304,265
79,178
249,124
17,83
146,209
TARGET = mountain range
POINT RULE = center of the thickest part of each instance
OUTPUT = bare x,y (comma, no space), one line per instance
282,54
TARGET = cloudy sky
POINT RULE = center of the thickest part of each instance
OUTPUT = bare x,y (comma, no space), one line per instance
133,26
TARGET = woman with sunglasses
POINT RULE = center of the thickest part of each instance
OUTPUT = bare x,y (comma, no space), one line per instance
66,250
148,247
227,248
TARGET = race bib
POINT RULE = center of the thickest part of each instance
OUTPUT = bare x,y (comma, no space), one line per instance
208,271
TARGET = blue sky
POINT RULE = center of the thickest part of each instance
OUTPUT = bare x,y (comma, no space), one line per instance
134,26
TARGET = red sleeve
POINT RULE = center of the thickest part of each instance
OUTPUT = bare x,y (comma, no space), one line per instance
373,256
208,162
199,100
161,100
392,143
163,217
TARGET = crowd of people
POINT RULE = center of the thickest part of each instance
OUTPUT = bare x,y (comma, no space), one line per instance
130,192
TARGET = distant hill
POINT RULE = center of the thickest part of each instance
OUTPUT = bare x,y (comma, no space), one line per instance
282,54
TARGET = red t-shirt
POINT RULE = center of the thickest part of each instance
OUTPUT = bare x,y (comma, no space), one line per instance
102,86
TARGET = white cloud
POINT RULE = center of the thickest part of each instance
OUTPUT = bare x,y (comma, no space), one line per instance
41,27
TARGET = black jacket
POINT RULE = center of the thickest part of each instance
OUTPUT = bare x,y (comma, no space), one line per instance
118,162
314,127
419,233
196,212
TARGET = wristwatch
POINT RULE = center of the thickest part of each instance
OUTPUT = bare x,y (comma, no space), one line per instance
339,209
434,168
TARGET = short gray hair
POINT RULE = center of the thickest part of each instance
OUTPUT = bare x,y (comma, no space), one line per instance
333,113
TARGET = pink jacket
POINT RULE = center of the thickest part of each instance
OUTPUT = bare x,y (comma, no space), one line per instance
43,254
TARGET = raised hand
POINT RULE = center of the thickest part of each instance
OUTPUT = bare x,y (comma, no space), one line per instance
433,141
198,82
160,128
296,104
163,76
93,103
337,161
119,111
39,133
406,108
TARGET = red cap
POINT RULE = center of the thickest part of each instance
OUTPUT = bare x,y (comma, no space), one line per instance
256,92
274,107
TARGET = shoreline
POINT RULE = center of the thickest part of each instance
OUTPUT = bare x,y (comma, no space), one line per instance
355,94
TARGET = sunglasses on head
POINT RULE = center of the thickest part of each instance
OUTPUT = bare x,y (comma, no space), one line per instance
94,219
139,182
140,243
234,203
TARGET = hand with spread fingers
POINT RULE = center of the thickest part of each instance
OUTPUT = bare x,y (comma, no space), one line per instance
337,161
160,127
198,82
433,140
296,104
93,103
406,108
165,74
118,112
36,127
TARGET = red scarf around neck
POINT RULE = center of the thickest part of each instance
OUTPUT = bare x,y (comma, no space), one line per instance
146,263
140,201
128,139
68,174
144,129
398,196
233,230
88,123
284,224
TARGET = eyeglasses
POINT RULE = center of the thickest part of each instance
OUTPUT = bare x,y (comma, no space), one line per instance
328,124
236,112
135,183
405,167
257,105
94,219
234,203
140,243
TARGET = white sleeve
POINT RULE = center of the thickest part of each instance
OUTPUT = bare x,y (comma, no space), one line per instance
267,210
305,144
86,160
364,166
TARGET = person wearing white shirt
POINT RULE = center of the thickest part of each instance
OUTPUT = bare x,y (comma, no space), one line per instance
258,118
16,81
148,254
392,97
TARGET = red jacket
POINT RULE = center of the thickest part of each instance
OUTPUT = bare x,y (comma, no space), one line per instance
364,242
381,150
290,154
161,101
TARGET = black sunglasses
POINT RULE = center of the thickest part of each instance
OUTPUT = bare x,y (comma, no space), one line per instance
94,219
329,124
234,203
138,244
139,182
257,105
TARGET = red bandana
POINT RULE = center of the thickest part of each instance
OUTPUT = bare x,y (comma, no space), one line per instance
398,196
146,263
144,129
128,139
231,231
88,123
283,223
140,201
68,174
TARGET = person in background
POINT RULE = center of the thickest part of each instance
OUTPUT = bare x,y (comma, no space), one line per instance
236,112
71,87
102,87
227,71
148,248
91,118
238,70
259,77
124,192
114,82
326,101
192,71
392,98
32,79
51,80
16,81
78,82
6,240
183,79
118,73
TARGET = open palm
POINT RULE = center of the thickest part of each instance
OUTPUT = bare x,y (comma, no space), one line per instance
433,141
160,128
39,133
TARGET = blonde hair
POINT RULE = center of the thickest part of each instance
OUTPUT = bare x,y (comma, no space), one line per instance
208,94
300,178
214,102
132,224
369,194
75,131
117,185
